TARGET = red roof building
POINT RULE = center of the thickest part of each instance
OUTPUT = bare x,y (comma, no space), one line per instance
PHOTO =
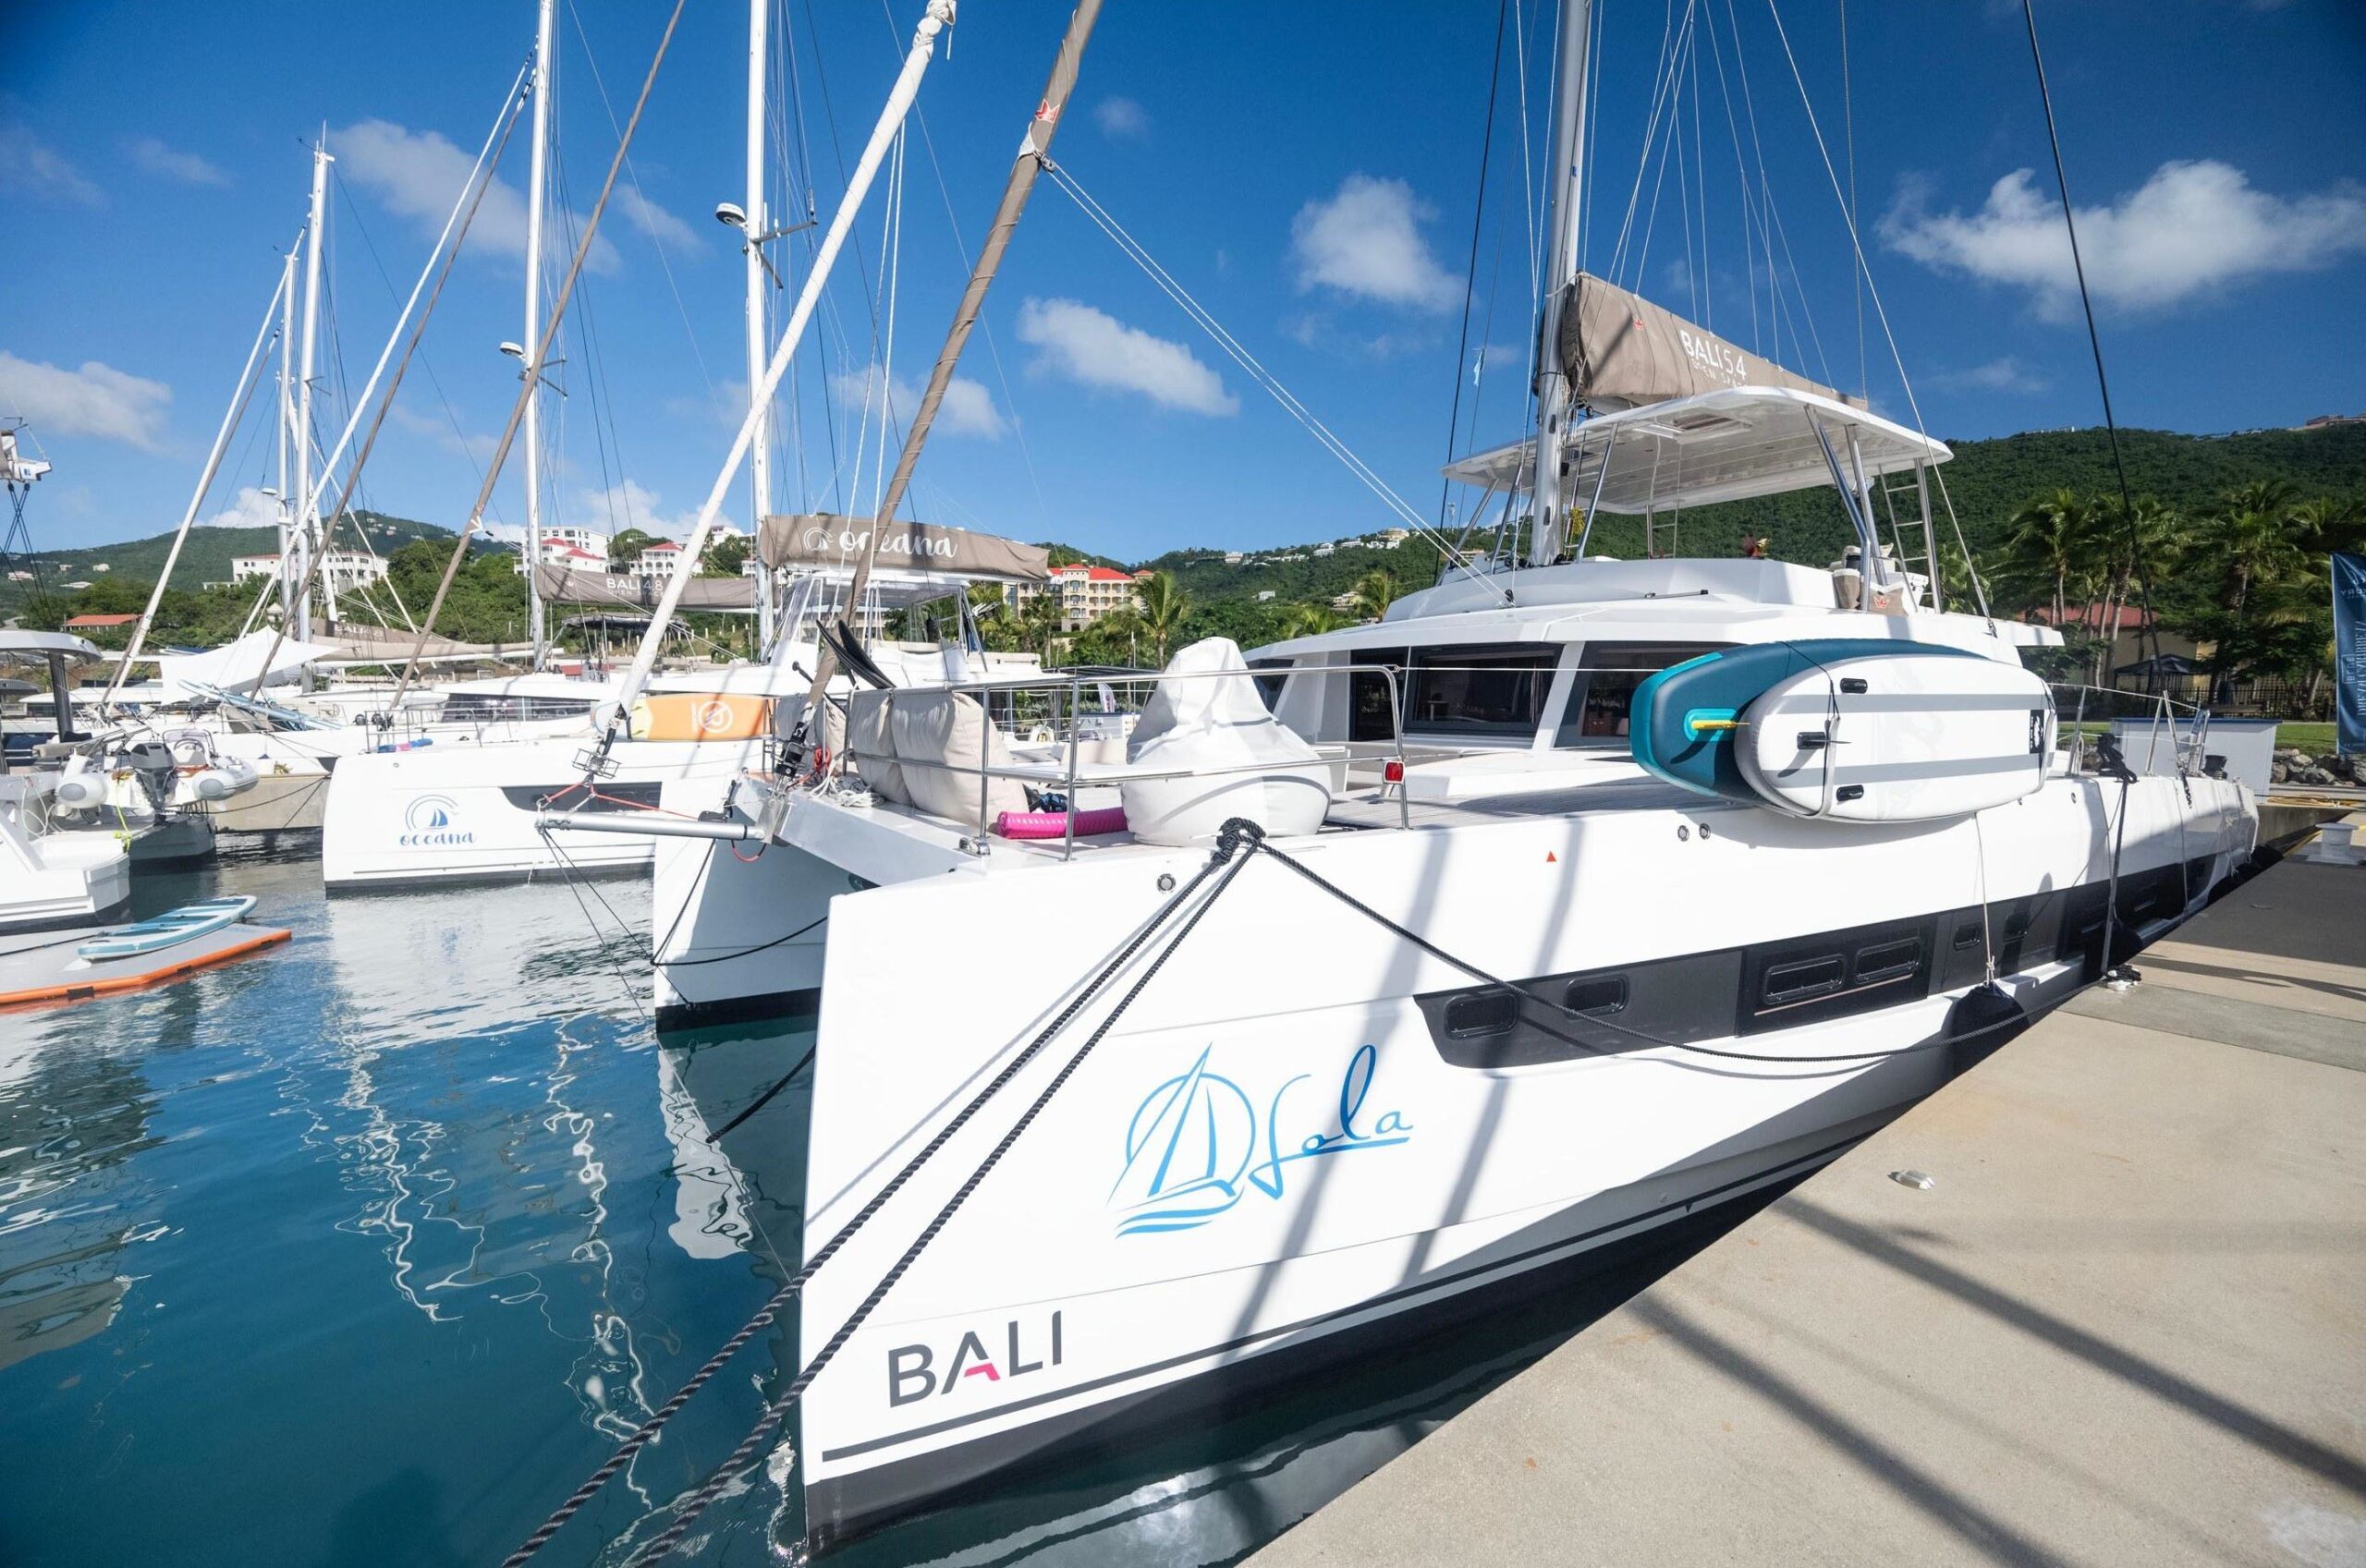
98,623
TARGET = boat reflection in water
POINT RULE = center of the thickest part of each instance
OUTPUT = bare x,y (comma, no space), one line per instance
1204,1494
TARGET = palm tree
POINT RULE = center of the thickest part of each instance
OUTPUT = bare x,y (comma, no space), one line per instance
1162,605
2256,542
2330,524
1312,620
1375,592
1039,622
2133,545
2049,541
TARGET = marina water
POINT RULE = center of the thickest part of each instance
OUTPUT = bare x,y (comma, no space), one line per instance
369,1250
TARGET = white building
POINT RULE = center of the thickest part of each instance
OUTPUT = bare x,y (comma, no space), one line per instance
589,541
1232,557
342,570
1321,550
568,555
656,561
1086,593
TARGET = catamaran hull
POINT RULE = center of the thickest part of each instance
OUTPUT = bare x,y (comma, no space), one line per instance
736,934
1306,1129
470,814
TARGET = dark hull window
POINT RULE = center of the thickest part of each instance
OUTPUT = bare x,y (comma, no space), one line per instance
1837,974
1495,690
1690,997
1603,696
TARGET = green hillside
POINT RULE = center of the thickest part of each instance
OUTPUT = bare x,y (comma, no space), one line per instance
206,558
1987,480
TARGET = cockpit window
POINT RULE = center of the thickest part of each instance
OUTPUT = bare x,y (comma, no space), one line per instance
1603,696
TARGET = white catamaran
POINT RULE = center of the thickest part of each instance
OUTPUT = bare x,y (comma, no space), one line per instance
1579,896
1387,970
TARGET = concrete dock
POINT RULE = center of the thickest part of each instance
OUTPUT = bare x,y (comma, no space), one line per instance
2127,1324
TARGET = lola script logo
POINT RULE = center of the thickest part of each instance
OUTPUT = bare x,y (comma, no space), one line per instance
431,820
1198,1145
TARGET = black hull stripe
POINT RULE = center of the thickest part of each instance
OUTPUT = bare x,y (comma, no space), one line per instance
1428,1287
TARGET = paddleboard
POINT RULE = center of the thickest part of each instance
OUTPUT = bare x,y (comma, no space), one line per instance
168,929
1849,730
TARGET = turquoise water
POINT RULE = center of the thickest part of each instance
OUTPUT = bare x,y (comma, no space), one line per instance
368,1250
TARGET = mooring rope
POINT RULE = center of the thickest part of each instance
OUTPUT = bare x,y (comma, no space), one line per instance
1228,846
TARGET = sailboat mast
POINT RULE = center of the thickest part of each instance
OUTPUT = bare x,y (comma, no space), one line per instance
1554,406
286,409
296,604
759,223
535,197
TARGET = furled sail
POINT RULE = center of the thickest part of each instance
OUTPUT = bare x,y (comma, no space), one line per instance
1621,351
823,539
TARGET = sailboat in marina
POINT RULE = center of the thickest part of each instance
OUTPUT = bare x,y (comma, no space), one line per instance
661,750
1434,957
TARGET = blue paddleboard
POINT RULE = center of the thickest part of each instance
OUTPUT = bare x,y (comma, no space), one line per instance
1680,724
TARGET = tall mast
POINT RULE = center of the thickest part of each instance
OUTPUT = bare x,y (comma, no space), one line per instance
759,456
286,409
296,604
1550,523
535,196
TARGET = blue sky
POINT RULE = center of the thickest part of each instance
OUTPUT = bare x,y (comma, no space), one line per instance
1309,173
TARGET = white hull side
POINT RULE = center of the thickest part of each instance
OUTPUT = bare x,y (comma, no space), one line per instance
469,813
64,879
1170,1244
737,938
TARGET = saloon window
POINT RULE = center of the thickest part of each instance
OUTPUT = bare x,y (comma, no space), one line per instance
1477,690
1272,675
1603,693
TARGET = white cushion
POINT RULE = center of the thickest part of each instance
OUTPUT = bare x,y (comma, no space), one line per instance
871,745
942,738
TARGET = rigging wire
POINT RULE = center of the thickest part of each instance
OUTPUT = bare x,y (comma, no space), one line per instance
2095,339
642,211
1471,278
1766,185
1848,129
1741,176
1246,361
1881,313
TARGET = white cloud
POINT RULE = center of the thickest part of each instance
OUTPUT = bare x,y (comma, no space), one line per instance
628,504
30,167
173,163
2006,375
656,222
418,176
1366,242
253,509
2189,231
968,409
95,400
1097,350
1121,119
460,443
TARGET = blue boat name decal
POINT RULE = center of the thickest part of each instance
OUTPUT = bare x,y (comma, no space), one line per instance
1196,1147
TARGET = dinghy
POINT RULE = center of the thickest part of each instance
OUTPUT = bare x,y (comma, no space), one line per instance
168,929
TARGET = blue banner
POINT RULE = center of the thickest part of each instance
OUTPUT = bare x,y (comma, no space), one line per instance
2349,653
